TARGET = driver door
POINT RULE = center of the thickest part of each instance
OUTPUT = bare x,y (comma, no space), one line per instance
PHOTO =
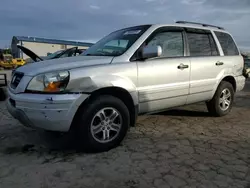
163,82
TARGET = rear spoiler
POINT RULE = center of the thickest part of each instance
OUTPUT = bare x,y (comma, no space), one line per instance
3,80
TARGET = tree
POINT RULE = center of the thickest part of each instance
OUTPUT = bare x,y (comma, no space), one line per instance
7,51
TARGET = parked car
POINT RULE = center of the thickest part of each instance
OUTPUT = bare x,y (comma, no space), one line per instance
137,70
246,72
74,51
247,63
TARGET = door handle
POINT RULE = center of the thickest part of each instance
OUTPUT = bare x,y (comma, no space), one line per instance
182,66
218,63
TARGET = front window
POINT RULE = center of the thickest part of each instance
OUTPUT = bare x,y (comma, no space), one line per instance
170,42
116,43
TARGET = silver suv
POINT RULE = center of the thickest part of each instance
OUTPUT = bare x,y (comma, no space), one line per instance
136,70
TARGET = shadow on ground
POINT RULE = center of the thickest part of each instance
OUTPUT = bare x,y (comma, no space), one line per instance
42,142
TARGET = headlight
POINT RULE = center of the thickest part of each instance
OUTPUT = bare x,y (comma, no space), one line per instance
49,82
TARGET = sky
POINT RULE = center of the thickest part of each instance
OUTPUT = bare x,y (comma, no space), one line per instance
90,20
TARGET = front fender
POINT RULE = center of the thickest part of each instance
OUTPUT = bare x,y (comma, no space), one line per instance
89,84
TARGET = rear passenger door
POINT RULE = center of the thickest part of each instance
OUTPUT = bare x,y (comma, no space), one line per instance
206,64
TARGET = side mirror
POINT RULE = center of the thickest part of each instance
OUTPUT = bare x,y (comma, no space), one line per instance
151,51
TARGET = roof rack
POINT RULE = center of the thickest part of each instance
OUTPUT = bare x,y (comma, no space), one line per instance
202,24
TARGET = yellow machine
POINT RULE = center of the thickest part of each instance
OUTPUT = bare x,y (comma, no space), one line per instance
7,62
18,62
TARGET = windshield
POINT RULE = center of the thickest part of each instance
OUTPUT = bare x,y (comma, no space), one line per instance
53,54
116,43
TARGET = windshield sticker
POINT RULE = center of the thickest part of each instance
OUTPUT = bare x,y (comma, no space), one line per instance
133,32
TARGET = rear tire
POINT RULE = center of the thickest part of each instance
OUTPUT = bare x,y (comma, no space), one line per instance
222,102
102,124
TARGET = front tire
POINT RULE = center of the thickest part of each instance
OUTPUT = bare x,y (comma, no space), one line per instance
102,124
222,102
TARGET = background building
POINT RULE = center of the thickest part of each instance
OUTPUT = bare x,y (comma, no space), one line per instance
42,46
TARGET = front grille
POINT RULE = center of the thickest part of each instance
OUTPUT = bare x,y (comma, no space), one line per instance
16,79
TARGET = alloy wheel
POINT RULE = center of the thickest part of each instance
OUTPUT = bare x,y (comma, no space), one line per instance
106,125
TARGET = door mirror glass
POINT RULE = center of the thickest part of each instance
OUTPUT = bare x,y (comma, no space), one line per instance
151,52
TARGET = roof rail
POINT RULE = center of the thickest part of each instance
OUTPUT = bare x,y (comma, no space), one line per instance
202,24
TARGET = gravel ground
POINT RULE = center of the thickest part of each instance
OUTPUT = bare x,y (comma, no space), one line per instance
184,147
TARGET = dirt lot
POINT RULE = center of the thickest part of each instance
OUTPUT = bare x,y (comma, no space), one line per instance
179,148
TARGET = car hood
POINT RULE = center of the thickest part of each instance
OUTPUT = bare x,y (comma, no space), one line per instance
30,53
66,63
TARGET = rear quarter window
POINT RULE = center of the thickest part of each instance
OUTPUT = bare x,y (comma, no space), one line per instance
227,43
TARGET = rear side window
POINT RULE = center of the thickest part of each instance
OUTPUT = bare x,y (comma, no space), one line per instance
201,44
228,45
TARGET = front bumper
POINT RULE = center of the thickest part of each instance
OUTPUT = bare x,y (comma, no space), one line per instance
43,111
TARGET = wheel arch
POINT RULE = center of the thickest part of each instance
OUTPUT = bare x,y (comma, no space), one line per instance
128,98
228,78
231,80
